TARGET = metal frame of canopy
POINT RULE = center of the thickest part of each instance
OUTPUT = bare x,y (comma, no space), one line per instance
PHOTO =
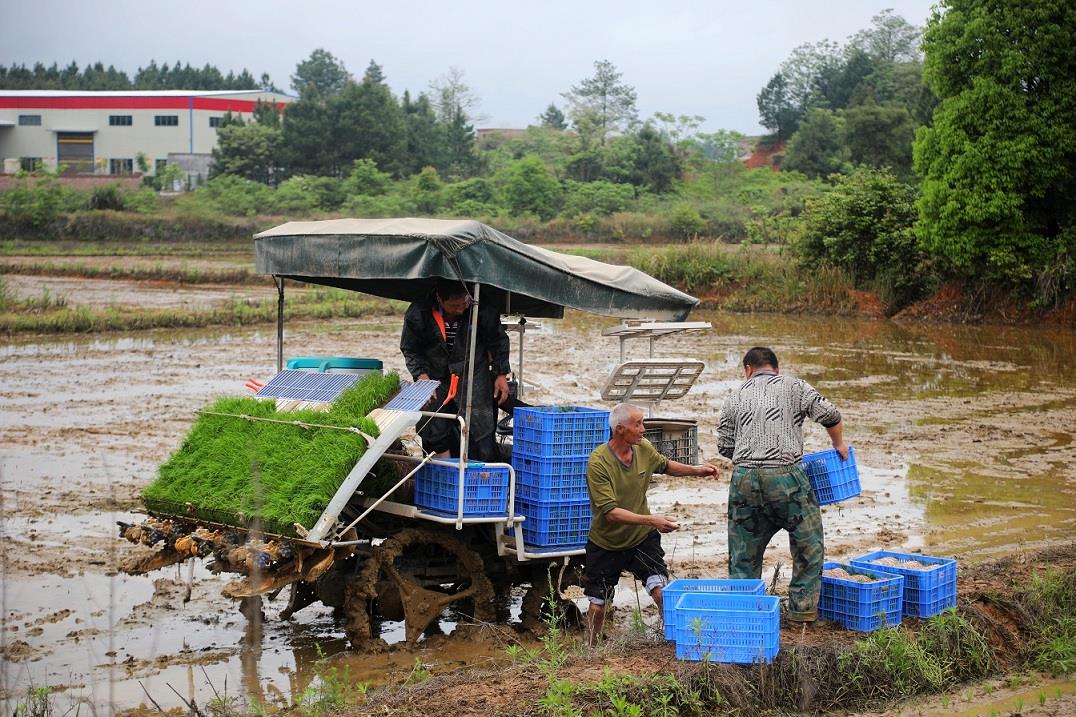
386,282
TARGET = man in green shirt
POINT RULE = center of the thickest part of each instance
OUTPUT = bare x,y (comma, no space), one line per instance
623,533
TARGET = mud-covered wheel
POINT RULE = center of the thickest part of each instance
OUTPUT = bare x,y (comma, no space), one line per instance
544,600
416,574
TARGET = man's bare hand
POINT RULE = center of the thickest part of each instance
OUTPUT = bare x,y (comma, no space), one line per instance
500,389
706,469
664,523
842,448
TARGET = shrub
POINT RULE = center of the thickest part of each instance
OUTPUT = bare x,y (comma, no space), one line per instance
426,191
390,205
294,196
143,201
864,226
38,199
597,198
530,188
684,221
229,194
107,196
366,179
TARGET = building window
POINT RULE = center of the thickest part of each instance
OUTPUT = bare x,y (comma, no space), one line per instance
166,120
121,166
159,165
30,164
214,121
120,120
29,120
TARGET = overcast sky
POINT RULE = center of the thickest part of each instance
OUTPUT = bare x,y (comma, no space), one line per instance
699,58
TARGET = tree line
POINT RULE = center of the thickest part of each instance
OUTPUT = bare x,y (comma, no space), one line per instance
96,77
909,156
951,152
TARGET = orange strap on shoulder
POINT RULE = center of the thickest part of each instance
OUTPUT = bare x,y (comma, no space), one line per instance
440,323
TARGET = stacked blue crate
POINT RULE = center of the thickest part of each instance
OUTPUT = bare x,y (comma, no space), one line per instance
550,447
728,627
927,590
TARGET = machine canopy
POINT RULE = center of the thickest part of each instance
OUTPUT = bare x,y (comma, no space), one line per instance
403,258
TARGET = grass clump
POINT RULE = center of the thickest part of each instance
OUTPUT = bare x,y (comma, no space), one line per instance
241,472
1051,600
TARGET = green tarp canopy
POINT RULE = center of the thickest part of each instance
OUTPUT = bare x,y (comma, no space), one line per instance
401,259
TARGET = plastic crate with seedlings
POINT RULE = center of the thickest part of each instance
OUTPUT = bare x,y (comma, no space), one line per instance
728,627
672,593
860,598
929,582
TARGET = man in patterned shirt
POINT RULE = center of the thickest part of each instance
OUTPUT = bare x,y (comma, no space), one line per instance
761,430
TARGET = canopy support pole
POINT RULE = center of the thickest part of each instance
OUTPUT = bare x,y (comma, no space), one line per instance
470,367
279,324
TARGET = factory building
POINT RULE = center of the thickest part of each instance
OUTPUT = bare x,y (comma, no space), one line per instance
102,133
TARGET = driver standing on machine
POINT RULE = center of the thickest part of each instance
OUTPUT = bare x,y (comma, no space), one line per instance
435,341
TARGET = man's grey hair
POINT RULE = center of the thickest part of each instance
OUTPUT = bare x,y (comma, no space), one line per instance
620,414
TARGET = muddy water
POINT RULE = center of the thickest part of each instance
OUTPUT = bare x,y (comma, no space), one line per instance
964,438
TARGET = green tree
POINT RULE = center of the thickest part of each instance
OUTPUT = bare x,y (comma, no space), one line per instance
307,137
601,105
425,143
654,164
530,188
817,149
456,106
880,136
368,123
890,38
321,74
552,118
776,109
999,163
250,151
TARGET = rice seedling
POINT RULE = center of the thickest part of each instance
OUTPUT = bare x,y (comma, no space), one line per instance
240,472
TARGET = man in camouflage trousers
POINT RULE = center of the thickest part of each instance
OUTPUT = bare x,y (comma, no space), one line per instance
761,430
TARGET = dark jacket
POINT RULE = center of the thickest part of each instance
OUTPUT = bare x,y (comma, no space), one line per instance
425,351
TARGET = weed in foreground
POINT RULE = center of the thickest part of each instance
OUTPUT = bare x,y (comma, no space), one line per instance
37,703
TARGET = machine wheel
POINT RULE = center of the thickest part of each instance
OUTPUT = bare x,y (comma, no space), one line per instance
415,574
537,608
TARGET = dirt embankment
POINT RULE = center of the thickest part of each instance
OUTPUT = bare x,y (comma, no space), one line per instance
805,676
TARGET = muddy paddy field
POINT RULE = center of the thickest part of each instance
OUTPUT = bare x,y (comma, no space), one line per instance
963,435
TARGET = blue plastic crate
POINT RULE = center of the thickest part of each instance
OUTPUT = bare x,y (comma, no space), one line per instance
861,606
555,524
728,627
485,488
926,592
551,479
681,586
558,431
832,478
